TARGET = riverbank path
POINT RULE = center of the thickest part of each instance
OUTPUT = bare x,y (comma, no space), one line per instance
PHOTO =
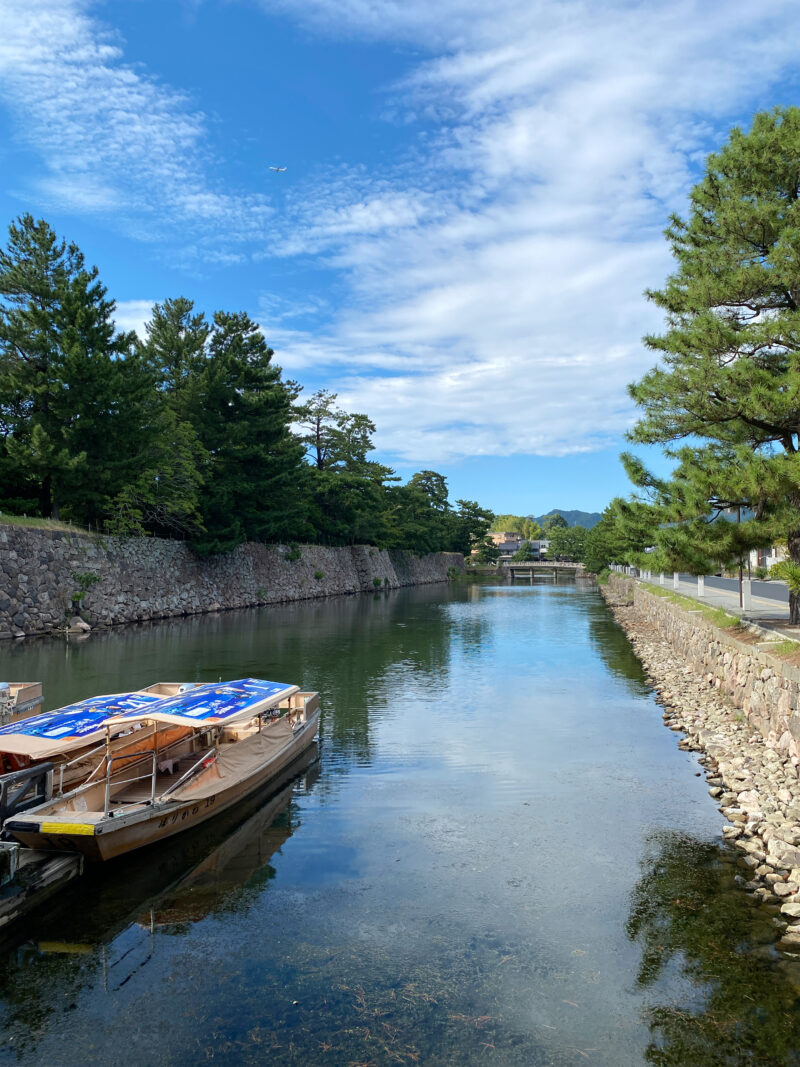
769,601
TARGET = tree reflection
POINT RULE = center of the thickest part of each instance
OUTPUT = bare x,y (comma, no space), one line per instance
694,923
609,639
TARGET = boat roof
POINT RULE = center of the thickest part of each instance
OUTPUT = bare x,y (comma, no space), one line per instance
73,726
210,705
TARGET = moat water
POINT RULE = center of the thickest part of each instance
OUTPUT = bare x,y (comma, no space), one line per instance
499,856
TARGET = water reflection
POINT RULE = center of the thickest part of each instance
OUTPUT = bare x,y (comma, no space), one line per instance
103,929
731,1000
608,638
345,647
493,766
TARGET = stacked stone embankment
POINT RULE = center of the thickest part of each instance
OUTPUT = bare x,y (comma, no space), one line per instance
48,577
738,705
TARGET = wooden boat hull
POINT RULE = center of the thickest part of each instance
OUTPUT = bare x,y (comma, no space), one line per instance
118,836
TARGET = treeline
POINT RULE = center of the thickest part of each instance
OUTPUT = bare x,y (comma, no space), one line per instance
724,400
191,431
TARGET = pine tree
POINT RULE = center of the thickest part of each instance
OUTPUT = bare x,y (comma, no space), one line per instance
730,356
242,411
175,348
64,384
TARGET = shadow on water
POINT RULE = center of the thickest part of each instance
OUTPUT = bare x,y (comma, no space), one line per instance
342,646
735,1002
103,928
609,640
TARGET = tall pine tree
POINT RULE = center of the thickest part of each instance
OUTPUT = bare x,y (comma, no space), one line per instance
241,409
730,356
67,397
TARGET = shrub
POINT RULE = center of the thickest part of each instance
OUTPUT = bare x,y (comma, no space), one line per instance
761,573
84,580
319,574
292,553
377,583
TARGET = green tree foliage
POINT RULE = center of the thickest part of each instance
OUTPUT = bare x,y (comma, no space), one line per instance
521,524
190,430
553,522
421,517
70,401
175,347
625,532
241,410
163,498
730,355
524,553
334,439
469,525
487,551
568,542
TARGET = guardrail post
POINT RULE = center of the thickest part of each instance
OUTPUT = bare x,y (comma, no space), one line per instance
676,579
661,578
747,594
701,585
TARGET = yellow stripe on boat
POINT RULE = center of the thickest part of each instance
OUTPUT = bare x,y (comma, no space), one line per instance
67,828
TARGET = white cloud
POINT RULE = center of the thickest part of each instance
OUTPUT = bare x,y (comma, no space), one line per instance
115,141
490,277
133,314
496,273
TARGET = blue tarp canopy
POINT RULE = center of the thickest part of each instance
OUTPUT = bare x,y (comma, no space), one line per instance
210,705
71,727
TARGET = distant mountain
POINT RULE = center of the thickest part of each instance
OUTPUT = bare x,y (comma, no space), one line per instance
587,519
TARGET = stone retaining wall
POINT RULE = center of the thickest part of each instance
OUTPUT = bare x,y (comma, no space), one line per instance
764,686
131,579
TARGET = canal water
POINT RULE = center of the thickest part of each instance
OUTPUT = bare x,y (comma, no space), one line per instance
499,856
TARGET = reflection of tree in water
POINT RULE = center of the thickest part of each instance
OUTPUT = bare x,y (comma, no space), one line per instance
342,646
688,915
352,646
608,638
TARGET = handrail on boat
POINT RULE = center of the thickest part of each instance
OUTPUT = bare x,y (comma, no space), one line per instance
190,772
77,759
127,781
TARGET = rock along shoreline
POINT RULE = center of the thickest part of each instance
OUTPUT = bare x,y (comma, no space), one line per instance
753,779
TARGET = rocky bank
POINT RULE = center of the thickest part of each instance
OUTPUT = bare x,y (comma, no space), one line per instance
751,772
49,578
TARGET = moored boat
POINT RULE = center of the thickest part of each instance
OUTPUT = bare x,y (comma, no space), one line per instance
18,699
239,736
57,750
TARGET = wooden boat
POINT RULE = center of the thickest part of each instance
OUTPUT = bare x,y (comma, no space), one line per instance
18,699
52,752
240,735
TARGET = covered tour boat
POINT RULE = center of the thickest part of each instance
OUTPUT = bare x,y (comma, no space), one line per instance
236,737
50,753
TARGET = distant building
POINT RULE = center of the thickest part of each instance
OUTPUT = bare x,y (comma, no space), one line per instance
509,548
505,538
766,557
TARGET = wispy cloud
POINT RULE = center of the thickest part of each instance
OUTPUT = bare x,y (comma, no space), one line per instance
488,277
496,271
114,140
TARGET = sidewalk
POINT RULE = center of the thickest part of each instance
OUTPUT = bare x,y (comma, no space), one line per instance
768,612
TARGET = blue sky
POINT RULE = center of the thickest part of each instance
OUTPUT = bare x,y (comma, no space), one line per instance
472,206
